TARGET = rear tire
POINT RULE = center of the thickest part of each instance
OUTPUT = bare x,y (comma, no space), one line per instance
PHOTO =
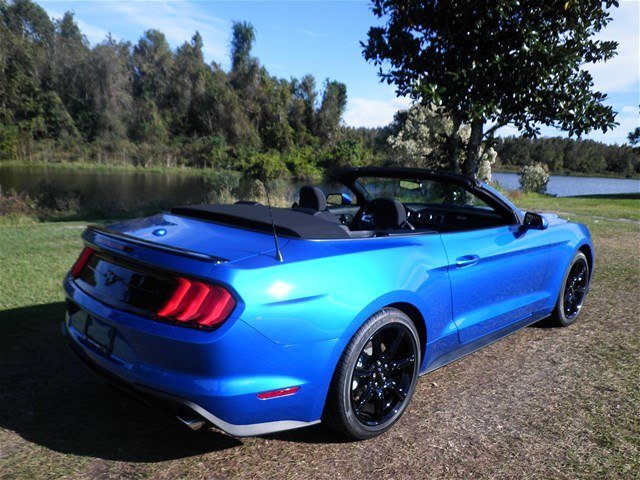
375,377
572,294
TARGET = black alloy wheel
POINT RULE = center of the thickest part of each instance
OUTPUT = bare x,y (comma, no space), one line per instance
575,289
375,377
383,375
573,293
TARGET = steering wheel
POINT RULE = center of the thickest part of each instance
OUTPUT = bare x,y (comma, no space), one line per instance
373,215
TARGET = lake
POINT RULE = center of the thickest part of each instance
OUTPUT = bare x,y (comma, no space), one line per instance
567,186
128,190
131,190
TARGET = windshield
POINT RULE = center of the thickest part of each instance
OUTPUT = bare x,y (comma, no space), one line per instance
417,191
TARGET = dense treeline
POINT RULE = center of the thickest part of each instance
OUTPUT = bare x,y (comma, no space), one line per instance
148,104
62,99
563,155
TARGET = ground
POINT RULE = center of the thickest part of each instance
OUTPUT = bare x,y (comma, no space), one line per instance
542,403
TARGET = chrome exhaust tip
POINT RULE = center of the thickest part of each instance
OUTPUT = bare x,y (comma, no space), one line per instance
193,423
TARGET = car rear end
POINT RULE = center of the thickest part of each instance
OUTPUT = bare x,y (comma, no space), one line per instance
151,305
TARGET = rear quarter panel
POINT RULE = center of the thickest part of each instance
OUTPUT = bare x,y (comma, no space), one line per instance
326,289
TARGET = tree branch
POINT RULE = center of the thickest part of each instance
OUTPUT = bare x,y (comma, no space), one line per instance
491,130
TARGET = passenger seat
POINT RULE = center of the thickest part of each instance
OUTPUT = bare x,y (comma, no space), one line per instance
313,202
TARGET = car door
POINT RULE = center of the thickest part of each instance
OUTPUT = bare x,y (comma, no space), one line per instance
496,277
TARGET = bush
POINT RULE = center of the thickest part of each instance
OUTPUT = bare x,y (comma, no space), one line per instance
267,166
55,200
8,142
14,203
534,178
302,164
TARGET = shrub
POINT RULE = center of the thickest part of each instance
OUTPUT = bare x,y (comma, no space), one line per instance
14,203
54,199
534,178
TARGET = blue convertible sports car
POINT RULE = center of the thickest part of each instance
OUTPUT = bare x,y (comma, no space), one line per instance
257,319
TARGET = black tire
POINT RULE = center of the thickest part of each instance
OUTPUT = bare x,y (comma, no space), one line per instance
575,285
375,377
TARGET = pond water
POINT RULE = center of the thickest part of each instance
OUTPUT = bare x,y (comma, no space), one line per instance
124,189
567,186
136,189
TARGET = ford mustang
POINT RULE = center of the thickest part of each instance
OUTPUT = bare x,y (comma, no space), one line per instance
256,319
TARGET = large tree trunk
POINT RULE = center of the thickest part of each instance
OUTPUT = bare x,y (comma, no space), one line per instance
473,148
454,145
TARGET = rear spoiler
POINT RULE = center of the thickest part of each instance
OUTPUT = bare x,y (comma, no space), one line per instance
92,232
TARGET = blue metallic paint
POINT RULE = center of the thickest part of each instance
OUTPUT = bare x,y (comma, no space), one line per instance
294,318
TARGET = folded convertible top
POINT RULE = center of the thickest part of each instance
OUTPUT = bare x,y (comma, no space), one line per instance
288,222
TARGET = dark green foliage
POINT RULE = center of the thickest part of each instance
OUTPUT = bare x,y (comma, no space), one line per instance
500,62
634,137
563,155
145,104
334,101
62,99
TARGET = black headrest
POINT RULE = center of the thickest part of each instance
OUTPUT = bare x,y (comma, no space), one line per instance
313,198
387,213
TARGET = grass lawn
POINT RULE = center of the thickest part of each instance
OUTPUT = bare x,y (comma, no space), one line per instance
542,403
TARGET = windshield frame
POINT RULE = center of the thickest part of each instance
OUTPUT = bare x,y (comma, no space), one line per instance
349,178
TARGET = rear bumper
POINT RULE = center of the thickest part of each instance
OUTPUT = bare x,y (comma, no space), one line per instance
184,410
215,375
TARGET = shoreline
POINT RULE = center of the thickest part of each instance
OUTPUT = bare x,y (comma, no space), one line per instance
94,166
576,174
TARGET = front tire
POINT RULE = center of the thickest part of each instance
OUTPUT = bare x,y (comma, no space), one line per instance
375,377
573,292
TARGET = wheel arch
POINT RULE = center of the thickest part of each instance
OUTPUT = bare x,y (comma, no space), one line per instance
417,318
588,252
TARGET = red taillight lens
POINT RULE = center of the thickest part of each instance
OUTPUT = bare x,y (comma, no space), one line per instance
81,262
199,303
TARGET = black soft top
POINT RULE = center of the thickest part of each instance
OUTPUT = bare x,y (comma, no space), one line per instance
288,222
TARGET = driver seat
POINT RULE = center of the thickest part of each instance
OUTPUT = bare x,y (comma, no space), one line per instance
388,213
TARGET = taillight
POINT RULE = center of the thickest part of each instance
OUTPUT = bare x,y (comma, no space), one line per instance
198,303
81,262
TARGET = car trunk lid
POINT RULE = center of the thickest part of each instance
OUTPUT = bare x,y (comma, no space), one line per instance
194,237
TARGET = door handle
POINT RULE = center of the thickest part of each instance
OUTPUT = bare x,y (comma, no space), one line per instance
467,261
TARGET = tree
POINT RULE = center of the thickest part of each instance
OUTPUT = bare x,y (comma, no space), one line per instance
187,80
71,69
334,101
110,88
26,44
634,137
307,93
152,61
243,65
515,62
421,136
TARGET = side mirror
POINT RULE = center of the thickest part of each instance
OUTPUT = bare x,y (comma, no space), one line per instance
534,221
339,199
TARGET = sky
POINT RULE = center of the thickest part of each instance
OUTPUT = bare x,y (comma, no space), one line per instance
323,38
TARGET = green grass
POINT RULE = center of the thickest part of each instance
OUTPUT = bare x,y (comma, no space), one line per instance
34,258
544,403
621,206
